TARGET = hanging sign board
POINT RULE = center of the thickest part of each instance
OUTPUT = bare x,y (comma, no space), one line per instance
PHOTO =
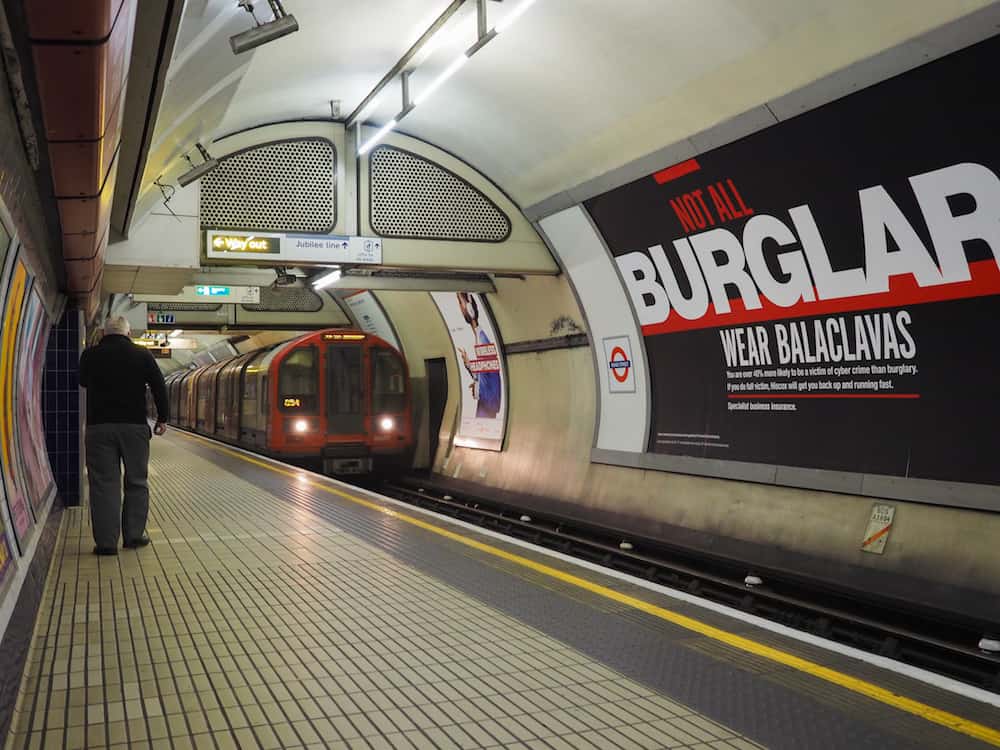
274,248
207,294
244,295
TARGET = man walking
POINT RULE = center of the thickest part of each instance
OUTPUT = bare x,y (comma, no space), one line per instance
115,374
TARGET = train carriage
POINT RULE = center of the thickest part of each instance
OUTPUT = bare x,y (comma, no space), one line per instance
339,396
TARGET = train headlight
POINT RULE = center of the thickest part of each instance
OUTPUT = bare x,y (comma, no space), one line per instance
387,423
300,425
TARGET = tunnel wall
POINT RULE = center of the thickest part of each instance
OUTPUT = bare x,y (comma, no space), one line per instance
940,556
31,275
423,336
576,447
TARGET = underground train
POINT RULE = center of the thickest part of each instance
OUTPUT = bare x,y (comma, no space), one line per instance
339,397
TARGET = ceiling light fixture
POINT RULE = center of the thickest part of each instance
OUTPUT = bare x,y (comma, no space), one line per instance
370,143
447,73
327,279
197,172
457,64
283,24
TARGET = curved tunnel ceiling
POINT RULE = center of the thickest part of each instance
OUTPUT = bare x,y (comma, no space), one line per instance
574,89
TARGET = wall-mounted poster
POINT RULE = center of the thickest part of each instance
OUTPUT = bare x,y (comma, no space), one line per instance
480,366
370,316
6,554
823,294
30,430
17,501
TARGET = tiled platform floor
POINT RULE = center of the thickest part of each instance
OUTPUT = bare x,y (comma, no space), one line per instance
252,623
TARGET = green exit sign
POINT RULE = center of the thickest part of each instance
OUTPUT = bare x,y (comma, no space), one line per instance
213,291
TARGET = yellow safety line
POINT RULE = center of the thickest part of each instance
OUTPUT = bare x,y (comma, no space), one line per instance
863,687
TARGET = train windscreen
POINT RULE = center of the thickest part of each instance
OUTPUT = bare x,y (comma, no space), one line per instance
298,380
388,383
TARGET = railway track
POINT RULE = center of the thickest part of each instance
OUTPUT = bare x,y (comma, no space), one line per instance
943,643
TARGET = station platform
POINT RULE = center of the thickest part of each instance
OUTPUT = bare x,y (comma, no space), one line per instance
279,609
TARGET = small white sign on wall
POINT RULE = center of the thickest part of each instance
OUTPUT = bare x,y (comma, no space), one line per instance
877,533
618,360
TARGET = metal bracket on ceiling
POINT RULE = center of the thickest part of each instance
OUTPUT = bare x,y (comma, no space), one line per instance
404,61
404,80
484,36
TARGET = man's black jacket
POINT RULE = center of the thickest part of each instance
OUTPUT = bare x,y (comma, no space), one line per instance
115,374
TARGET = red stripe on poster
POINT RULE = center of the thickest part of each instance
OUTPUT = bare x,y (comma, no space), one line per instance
903,290
678,170
824,395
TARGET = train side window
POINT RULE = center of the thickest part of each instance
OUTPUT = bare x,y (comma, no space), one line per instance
251,418
388,382
298,380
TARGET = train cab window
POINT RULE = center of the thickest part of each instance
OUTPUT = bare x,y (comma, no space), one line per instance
388,382
298,380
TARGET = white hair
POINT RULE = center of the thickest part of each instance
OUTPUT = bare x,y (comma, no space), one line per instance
117,326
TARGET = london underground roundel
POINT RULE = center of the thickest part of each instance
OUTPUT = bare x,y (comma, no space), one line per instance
620,364
618,360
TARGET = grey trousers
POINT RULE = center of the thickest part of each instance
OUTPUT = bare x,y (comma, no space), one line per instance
108,446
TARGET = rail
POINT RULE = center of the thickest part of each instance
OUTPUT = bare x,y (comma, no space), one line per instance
939,642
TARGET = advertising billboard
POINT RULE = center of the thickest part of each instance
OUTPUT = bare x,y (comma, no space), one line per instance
30,429
822,294
274,247
481,369
17,500
6,541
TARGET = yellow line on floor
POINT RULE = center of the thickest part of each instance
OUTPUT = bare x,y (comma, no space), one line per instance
862,687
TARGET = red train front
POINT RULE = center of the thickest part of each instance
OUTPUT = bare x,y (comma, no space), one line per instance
341,396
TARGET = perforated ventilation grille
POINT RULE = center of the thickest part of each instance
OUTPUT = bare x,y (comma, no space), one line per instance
281,187
181,307
417,199
287,299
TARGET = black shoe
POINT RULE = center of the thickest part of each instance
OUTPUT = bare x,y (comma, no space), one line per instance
105,551
136,543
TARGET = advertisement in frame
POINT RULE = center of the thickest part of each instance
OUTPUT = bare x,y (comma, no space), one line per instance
22,518
836,269
481,368
30,430
7,540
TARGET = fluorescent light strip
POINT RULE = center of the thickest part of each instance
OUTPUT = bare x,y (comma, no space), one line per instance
383,131
507,21
447,73
330,278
